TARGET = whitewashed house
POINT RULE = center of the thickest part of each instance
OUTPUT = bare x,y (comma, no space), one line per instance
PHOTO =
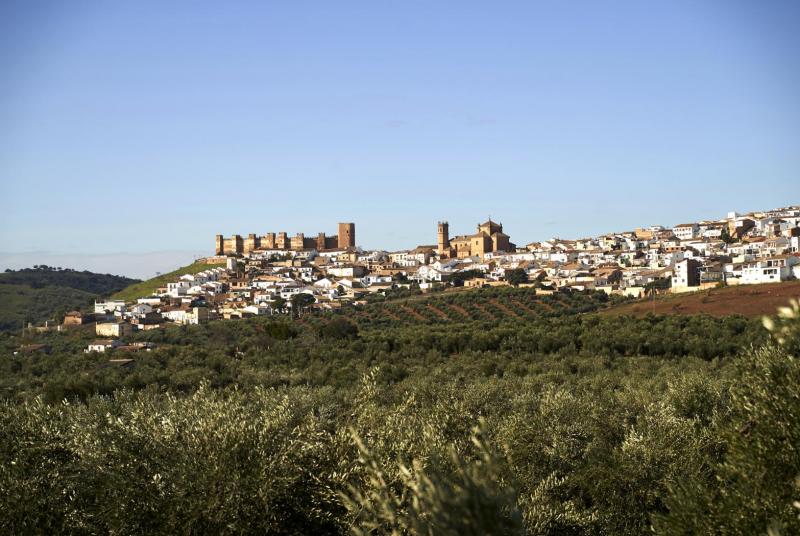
109,306
178,288
686,231
769,270
101,345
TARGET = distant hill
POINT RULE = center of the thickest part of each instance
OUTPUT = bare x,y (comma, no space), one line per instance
746,300
144,288
43,292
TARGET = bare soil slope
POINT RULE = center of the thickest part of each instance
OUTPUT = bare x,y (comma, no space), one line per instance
747,300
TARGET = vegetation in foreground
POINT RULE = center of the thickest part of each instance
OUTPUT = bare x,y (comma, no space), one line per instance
506,440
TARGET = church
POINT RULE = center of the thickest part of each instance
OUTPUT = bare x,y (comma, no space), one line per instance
490,238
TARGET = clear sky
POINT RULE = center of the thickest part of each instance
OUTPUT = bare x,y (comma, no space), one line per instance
141,127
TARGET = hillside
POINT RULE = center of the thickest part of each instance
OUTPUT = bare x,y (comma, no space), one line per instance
42,293
146,288
290,417
484,305
746,300
46,276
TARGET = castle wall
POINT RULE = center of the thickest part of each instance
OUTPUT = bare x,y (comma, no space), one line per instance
331,242
237,245
282,241
297,241
251,243
232,245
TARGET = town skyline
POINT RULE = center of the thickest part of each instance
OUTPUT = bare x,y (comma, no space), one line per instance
132,128
144,265
277,273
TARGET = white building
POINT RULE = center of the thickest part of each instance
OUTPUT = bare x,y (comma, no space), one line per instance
769,270
429,273
186,315
140,309
102,345
376,280
346,271
109,306
686,273
686,231
325,283
113,329
178,288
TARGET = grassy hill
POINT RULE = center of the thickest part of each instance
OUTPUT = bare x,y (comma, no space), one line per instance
42,293
145,288
746,300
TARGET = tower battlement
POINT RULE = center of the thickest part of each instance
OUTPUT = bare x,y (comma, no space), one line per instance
236,245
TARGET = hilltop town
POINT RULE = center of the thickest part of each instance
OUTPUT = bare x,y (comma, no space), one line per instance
277,274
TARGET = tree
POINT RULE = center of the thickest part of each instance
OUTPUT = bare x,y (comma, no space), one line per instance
301,301
516,277
760,462
278,303
339,328
458,278
725,236
400,277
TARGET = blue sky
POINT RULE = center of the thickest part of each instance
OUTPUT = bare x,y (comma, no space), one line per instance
139,127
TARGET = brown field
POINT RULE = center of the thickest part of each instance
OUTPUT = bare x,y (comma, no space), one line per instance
747,300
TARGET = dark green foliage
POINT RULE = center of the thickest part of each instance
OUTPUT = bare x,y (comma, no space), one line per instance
300,302
44,293
516,276
725,235
497,304
458,497
338,328
458,278
610,426
211,463
753,484
332,350
594,452
45,276
21,304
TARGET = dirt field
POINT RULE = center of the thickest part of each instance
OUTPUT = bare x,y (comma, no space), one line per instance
747,300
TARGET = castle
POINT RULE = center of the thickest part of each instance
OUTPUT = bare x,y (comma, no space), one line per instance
236,245
490,238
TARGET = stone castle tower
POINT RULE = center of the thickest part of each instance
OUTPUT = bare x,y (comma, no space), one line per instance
236,245
444,238
347,235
